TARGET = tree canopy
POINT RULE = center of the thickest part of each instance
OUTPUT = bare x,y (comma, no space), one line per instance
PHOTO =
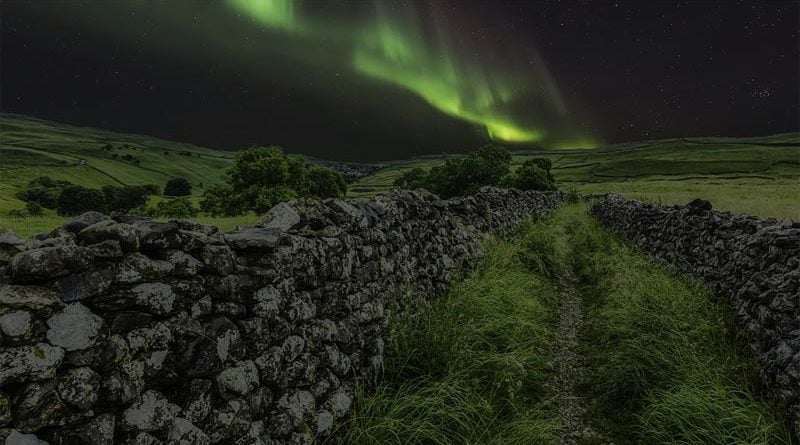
262,177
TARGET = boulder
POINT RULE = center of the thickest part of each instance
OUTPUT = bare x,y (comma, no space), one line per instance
29,363
47,263
281,217
151,412
74,328
83,221
124,234
253,239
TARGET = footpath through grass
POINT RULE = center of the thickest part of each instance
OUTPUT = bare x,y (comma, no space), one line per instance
476,366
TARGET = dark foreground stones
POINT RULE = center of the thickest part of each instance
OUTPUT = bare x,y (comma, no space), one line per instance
123,330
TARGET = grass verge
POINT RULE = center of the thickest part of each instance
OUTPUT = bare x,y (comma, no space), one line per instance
665,365
471,369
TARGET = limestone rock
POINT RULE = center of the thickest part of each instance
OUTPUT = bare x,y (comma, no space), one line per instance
281,217
28,363
125,234
79,387
150,413
183,432
46,263
83,221
239,379
253,239
74,328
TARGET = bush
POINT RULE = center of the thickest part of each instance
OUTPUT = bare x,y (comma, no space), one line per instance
174,208
262,177
76,199
461,175
178,187
43,191
34,209
123,199
412,179
326,183
533,174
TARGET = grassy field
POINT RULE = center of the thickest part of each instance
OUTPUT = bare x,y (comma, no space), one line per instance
31,147
662,365
757,176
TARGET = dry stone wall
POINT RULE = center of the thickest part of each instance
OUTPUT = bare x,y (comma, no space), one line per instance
125,330
753,263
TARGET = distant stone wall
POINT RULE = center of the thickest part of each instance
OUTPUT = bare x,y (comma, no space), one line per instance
132,331
752,262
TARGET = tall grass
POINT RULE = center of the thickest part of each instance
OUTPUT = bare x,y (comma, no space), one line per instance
664,366
471,369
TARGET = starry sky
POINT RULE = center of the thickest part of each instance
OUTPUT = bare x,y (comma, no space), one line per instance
376,80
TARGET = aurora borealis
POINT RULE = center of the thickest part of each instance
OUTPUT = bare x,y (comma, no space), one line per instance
387,79
389,45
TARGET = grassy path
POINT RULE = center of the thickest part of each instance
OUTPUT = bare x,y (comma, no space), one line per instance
570,368
566,336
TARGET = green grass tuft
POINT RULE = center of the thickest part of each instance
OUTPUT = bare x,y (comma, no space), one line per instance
471,369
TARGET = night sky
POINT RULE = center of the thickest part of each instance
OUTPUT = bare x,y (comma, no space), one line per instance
386,80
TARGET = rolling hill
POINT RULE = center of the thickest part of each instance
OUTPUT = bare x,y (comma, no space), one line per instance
758,176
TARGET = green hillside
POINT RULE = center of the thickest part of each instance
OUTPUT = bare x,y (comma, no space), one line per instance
759,176
91,157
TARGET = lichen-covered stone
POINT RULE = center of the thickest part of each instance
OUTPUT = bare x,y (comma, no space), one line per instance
183,432
125,234
79,388
83,221
238,380
37,299
28,363
46,263
150,413
74,328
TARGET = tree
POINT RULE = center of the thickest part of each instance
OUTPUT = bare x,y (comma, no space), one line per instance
178,187
175,208
262,177
43,191
125,198
325,182
412,179
76,199
531,176
461,175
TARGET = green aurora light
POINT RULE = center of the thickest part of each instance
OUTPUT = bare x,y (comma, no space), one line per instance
390,47
356,51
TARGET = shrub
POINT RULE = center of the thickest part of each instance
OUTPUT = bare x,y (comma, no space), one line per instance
76,199
461,175
174,208
264,176
178,187
125,198
533,174
325,182
17,213
412,179
43,191
34,209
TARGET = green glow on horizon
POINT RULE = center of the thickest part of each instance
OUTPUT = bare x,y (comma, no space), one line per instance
574,144
279,14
